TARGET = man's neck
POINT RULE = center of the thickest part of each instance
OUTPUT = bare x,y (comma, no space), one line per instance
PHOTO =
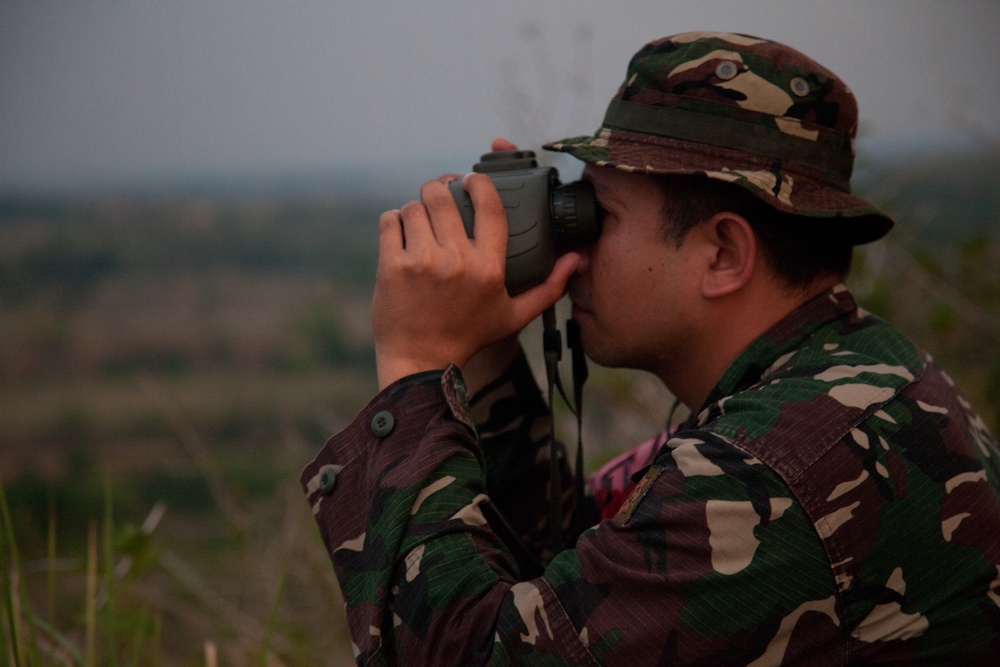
729,327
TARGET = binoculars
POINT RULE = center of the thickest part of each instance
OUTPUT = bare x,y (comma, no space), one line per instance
544,217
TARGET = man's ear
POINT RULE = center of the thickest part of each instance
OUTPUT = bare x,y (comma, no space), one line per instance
734,254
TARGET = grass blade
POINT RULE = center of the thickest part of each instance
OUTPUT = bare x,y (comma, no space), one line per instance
91,602
110,606
51,569
272,620
9,567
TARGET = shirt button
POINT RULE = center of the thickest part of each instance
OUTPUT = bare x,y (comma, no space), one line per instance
327,480
382,424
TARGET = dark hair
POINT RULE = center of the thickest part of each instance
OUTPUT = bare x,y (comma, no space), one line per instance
799,249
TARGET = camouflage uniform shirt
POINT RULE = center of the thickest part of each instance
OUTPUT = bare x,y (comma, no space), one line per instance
833,502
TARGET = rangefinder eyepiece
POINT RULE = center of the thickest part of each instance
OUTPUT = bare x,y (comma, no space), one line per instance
544,217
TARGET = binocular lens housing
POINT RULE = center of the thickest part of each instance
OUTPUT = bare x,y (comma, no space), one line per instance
544,217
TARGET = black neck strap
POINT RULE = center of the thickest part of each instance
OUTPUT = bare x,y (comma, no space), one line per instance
552,346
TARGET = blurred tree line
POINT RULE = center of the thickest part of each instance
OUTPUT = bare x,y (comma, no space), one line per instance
72,243
937,275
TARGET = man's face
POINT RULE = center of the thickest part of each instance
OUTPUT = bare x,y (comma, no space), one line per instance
633,291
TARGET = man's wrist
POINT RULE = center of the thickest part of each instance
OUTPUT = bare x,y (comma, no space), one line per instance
489,363
391,370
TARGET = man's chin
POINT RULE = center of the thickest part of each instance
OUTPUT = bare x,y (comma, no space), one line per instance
579,312
600,349
595,349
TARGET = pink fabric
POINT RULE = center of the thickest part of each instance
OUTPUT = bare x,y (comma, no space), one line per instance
612,483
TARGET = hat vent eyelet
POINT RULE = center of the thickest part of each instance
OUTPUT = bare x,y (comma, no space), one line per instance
799,86
726,70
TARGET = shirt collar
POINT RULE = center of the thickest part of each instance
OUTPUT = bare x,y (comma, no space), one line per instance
785,336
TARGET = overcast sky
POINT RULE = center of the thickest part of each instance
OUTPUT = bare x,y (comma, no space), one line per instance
98,90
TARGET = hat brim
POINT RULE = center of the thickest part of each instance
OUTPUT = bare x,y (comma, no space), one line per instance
785,186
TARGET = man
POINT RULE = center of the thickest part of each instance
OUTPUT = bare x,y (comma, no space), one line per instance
831,500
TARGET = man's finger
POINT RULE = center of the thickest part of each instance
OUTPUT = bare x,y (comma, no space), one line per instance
445,220
416,225
530,304
501,144
490,230
448,178
390,233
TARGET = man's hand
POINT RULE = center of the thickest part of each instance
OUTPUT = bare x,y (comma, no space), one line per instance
440,296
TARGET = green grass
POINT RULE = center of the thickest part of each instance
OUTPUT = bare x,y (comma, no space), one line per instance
90,631
113,599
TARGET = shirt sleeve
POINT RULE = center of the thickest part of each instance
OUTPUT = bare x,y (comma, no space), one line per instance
514,426
695,568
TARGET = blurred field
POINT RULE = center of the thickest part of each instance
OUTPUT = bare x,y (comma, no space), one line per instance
187,354
193,353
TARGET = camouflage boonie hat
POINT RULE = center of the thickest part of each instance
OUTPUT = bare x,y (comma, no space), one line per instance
743,110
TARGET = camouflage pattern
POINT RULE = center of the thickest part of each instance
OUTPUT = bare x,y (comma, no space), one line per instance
743,110
833,502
